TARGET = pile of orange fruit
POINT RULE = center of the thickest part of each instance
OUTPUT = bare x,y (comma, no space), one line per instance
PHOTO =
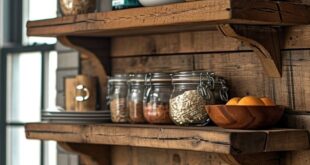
251,100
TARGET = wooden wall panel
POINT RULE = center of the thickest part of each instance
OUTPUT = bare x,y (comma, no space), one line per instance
151,156
225,56
152,64
243,72
186,42
297,37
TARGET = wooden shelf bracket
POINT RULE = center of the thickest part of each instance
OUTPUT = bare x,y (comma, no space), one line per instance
264,40
95,58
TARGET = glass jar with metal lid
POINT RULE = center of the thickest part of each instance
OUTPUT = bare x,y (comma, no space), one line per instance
135,98
156,98
117,96
191,92
220,90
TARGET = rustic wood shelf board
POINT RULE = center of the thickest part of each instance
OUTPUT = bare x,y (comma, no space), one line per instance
206,139
196,15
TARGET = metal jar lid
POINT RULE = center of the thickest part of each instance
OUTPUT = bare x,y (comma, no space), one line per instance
159,78
118,79
137,79
193,77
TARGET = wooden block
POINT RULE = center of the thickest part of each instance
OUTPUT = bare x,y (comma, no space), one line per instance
70,84
85,93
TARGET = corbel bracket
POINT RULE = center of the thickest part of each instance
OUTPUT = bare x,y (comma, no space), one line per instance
96,61
264,40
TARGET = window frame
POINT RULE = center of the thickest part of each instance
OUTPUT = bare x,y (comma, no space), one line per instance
4,52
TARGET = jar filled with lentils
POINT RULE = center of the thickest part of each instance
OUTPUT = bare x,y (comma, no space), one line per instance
156,98
191,92
117,98
135,98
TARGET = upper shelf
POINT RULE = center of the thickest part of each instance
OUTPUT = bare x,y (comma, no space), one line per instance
207,139
194,15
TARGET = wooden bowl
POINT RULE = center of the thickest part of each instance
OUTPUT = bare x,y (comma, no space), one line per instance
244,117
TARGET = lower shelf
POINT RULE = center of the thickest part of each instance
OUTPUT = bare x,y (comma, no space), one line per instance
206,139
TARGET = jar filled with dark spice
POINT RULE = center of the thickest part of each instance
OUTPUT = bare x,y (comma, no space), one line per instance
156,98
117,98
191,92
135,98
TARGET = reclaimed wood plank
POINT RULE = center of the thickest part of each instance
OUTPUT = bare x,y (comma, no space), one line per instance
152,64
207,139
295,37
196,15
140,155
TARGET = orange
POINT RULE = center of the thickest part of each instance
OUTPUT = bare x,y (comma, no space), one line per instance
267,101
233,101
250,100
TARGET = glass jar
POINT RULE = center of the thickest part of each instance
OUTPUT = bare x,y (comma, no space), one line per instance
156,98
220,90
75,7
123,4
191,93
117,96
135,98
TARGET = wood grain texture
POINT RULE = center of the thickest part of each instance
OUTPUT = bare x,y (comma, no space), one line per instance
90,154
152,64
153,156
265,42
90,85
70,84
196,15
207,139
295,37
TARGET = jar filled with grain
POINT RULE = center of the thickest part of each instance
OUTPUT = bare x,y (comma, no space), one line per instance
191,92
135,98
117,98
156,98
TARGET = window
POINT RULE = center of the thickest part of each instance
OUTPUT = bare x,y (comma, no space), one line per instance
30,74
28,77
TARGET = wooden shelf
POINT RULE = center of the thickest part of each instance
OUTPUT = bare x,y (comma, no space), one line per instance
194,15
206,139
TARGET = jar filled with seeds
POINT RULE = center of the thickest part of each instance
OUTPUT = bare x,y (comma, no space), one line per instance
117,96
156,98
191,92
135,98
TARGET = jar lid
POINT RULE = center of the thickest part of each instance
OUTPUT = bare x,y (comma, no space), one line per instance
137,78
119,78
158,77
192,76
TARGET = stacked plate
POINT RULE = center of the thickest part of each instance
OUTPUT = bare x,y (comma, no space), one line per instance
77,117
